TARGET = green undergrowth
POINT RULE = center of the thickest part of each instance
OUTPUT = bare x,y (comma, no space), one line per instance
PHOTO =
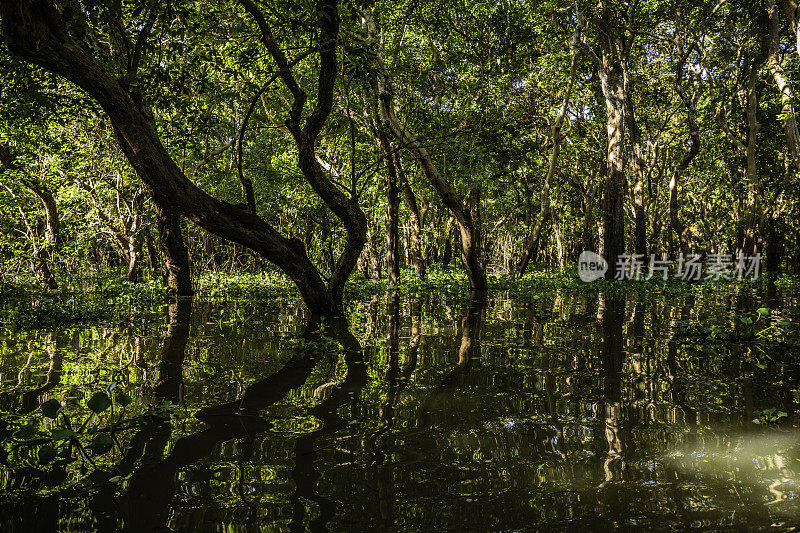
106,298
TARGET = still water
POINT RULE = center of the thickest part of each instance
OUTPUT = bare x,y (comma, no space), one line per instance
553,412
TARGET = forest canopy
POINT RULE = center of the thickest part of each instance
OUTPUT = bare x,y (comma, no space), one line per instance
320,139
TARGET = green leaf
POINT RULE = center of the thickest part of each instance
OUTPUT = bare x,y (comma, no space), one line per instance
101,443
99,402
122,398
51,407
763,311
62,434
780,414
46,454
25,432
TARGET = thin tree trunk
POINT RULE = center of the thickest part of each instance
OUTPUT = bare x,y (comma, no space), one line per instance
416,217
392,213
470,233
753,187
447,254
785,89
152,255
532,243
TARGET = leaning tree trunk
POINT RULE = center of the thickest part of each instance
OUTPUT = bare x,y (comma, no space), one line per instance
36,32
469,230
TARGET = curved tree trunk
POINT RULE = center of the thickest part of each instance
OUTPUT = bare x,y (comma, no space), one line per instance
41,255
416,219
36,32
694,148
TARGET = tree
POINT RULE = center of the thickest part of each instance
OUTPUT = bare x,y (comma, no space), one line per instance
37,32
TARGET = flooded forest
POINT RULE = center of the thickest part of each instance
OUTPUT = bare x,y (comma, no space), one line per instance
323,265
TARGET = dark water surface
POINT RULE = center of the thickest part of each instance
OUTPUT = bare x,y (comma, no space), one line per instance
558,412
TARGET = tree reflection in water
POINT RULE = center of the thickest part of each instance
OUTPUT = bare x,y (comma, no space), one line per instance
576,410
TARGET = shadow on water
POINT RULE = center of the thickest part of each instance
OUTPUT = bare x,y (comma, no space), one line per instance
336,395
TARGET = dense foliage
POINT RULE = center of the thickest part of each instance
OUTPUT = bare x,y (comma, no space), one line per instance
502,102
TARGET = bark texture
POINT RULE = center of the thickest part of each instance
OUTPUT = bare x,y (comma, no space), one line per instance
609,69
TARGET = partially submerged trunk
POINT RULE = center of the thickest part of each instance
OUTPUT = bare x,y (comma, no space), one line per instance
416,217
609,70
177,268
